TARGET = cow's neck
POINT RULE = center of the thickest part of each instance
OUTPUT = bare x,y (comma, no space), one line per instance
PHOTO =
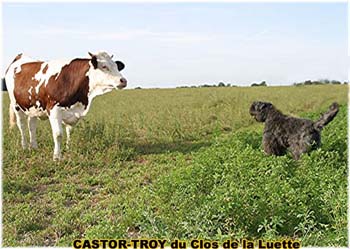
94,93
97,86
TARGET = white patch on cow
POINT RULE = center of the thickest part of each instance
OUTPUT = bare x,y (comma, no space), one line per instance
35,112
30,92
71,115
16,67
54,67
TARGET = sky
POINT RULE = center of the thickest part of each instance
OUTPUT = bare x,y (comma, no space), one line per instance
176,44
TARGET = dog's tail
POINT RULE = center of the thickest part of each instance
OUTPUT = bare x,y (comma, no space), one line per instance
327,116
12,117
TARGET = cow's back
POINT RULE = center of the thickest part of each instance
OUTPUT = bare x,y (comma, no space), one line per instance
42,85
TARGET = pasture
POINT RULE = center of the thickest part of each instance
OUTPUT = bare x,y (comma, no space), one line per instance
179,163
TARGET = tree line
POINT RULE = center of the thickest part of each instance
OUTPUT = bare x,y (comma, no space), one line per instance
254,84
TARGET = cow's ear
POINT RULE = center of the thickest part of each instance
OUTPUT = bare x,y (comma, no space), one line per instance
120,65
94,61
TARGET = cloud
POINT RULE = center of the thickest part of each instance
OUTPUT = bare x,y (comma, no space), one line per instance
122,35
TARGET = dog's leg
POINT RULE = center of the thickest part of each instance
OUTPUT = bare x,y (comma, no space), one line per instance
272,146
304,144
296,152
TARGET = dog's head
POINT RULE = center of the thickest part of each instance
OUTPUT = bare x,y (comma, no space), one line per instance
259,110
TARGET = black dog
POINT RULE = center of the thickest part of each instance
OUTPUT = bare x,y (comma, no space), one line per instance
282,132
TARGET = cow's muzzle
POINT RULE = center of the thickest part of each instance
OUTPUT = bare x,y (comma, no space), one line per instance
123,83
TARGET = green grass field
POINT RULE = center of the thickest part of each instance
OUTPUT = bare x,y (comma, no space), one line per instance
179,163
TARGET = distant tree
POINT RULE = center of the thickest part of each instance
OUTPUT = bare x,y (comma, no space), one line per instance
263,83
325,81
335,82
206,85
318,82
138,87
221,84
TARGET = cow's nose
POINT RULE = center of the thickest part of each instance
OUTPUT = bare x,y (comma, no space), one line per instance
123,81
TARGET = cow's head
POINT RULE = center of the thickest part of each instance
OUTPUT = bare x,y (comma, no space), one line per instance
106,71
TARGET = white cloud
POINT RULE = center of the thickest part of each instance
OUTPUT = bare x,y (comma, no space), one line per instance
122,35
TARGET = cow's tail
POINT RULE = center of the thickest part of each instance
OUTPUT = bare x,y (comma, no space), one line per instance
12,117
327,116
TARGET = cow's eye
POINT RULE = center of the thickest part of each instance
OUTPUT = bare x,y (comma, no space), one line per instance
104,67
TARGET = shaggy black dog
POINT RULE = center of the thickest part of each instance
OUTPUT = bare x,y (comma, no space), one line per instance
282,132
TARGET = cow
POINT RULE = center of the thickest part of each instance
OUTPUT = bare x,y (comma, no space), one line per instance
60,90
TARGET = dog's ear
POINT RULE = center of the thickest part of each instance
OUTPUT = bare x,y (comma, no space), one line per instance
265,105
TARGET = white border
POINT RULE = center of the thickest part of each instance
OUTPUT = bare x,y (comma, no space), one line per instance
179,1
172,1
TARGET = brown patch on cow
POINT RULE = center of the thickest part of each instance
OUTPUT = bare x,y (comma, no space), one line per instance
69,86
19,56
24,80
45,68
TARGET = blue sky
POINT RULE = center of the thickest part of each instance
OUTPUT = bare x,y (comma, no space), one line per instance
173,44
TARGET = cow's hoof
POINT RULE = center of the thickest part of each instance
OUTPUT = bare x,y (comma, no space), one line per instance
33,146
57,158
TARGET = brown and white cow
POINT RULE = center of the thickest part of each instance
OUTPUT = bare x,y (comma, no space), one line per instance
60,90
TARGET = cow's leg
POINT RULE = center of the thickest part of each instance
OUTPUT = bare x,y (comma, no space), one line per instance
56,126
12,116
32,132
68,131
20,120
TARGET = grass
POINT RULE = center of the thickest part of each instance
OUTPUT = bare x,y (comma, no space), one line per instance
179,163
